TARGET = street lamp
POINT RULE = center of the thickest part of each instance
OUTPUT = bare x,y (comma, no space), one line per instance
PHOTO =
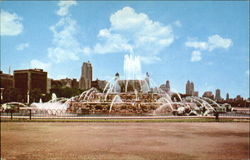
1,94
28,97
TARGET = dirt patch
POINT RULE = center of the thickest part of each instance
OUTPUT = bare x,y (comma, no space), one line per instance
140,141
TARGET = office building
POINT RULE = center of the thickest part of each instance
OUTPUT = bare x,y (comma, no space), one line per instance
86,77
27,80
227,96
208,94
190,88
167,86
217,94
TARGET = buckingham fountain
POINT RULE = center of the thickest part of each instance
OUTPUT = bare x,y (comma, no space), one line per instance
135,95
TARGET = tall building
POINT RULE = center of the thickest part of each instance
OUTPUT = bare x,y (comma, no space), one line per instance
86,77
190,88
167,86
27,80
217,94
227,96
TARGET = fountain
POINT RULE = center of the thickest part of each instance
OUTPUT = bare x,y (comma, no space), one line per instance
136,97
56,106
136,94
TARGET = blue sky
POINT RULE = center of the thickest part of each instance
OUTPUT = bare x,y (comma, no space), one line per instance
205,42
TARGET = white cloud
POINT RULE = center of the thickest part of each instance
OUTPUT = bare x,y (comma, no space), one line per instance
247,72
197,45
132,32
64,7
65,43
213,42
196,56
216,41
11,24
39,64
22,46
178,23
113,43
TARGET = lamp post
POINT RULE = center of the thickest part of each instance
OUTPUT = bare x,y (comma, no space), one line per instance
28,97
1,94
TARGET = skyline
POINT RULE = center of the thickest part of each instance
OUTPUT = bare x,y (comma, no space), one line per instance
205,42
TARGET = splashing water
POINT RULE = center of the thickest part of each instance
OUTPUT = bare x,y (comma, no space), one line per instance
132,67
116,99
54,106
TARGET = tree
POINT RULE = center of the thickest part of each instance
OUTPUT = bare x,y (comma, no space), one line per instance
12,95
35,95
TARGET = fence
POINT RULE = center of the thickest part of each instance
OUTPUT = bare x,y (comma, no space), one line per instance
44,114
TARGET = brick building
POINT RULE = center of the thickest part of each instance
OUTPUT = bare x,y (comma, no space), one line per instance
27,80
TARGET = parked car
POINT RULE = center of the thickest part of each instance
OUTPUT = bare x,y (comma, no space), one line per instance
12,106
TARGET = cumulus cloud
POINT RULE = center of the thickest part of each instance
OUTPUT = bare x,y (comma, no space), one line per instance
64,7
11,24
34,63
22,46
196,56
213,42
111,43
216,41
132,32
65,43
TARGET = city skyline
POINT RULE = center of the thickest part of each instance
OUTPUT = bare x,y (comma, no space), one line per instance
208,48
86,82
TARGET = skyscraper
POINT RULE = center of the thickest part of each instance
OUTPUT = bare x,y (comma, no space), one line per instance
217,94
188,87
227,96
192,88
86,77
167,86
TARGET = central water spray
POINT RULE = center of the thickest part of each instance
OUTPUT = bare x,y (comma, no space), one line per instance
132,67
